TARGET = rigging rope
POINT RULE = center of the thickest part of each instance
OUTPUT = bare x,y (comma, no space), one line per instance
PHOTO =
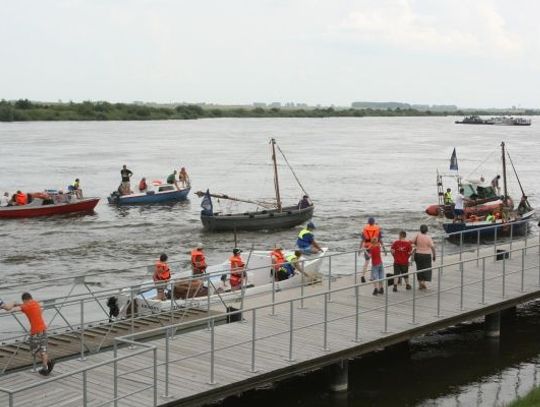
294,174
479,165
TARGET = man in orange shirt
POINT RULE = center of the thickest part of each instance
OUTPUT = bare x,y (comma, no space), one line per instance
38,330
238,274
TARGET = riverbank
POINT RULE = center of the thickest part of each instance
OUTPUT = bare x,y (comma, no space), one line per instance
530,400
25,110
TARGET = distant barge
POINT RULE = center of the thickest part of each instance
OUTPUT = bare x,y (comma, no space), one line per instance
496,121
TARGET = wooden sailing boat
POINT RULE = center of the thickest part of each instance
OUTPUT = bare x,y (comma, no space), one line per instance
509,221
273,215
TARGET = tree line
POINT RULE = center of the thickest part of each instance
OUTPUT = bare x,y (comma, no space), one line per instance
26,110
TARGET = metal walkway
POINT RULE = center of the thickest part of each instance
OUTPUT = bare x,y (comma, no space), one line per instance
303,329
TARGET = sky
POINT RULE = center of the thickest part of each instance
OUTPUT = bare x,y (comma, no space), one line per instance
471,53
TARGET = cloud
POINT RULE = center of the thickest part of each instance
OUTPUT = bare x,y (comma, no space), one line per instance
460,26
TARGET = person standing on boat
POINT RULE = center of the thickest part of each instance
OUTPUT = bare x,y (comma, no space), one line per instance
401,250
459,207
183,177
238,273
125,186
495,184
75,188
171,179
143,186
278,263
38,329
162,275
306,240
424,252
304,202
198,260
371,230
448,197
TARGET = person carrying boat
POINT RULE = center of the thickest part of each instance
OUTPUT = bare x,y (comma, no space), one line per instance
278,263
21,198
125,186
143,186
38,329
294,264
370,230
162,275
198,260
448,197
171,179
306,240
238,274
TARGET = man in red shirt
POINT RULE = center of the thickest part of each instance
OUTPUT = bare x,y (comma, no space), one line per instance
38,330
377,267
401,250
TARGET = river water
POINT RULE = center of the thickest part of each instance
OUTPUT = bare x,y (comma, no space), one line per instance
352,168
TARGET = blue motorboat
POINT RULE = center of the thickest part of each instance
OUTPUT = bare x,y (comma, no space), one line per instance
163,193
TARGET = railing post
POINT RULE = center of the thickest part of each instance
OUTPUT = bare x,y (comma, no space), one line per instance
85,390
356,267
132,305
461,246
495,242
302,288
115,374
483,280
274,293
511,239
253,326
167,338
386,303
522,270
172,301
329,278
325,331
212,351
82,358
154,352
477,246
526,233
291,327
442,248
414,299
357,314
504,276
439,274
461,286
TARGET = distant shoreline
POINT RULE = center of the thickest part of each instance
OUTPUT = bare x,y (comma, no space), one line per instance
25,110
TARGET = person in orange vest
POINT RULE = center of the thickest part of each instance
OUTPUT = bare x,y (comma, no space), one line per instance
161,276
278,262
198,261
143,186
38,329
371,230
21,198
238,273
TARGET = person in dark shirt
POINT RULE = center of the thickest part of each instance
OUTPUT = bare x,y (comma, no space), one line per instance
304,202
125,186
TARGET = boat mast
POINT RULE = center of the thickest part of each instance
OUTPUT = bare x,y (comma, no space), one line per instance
504,171
276,180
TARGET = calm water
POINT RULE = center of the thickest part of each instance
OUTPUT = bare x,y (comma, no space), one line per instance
352,169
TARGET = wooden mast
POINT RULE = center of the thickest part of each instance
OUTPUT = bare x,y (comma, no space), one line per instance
276,180
504,171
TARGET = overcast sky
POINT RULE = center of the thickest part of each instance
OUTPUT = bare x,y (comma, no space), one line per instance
472,53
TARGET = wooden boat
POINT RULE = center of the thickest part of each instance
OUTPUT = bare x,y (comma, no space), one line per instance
164,193
61,204
509,220
195,294
272,215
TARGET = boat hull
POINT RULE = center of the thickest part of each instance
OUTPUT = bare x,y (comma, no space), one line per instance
150,197
487,230
32,211
267,219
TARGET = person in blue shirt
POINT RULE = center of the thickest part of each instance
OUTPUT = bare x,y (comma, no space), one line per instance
306,240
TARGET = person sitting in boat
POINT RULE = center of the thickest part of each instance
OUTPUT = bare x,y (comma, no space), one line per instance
238,274
523,206
21,198
278,263
448,197
75,188
143,187
490,218
183,177
198,260
162,275
4,201
304,202
171,179
306,240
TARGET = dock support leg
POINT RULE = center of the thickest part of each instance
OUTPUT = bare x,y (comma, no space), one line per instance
492,325
339,376
509,314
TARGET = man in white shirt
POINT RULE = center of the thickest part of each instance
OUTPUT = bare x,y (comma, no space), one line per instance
4,201
459,207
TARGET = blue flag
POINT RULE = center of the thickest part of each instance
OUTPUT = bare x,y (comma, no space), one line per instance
206,204
453,161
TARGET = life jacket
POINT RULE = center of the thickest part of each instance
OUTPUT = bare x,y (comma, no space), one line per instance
142,185
279,258
448,198
237,266
301,241
21,199
198,261
369,232
163,272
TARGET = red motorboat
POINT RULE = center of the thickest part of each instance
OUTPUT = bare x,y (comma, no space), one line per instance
41,207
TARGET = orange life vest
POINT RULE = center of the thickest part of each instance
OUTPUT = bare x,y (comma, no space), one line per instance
163,272
279,259
21,199
142,185
198,262
237,266
369,232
